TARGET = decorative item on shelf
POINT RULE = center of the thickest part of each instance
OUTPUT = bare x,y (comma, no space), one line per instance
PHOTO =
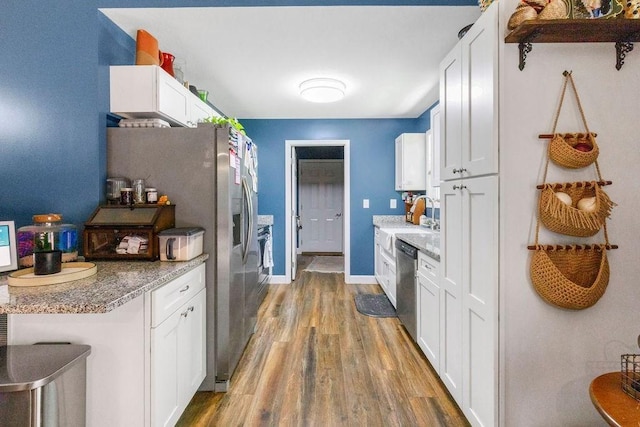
594,9
630,374
147,52
203,94
573,276
631,9
537,9
167,63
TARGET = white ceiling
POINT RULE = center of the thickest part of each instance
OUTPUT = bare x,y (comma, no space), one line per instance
252,59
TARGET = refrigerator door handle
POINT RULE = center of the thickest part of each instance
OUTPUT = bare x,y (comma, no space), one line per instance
247,196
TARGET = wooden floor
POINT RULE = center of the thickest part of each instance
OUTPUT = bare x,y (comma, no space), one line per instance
316,361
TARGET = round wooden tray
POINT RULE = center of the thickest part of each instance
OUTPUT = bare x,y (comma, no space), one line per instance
70,271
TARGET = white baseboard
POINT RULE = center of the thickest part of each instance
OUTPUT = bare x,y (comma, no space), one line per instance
350,280
361,280
279,280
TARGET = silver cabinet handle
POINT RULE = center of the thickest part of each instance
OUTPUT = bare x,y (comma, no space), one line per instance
185,289
459,170
186,312
459,187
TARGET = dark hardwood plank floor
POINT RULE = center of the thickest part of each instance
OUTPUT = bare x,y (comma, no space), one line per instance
316,361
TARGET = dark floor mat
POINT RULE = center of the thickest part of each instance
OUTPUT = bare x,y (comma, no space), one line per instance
375,305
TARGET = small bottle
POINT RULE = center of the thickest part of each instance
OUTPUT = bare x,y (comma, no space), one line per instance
138,191
126,196
152,195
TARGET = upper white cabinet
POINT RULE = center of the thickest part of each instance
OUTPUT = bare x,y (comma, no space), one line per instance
410,162
147,91
469,116
433,150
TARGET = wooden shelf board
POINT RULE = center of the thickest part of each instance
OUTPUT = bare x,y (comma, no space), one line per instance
576,31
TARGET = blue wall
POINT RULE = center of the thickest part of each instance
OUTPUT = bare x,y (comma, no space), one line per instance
54,98
372,174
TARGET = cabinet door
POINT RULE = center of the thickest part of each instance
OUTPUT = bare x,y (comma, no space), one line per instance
377,256
410,162
429,319
479,299
192,348
451,114
199,111
480,97
451,287
434,158
165,371
173,99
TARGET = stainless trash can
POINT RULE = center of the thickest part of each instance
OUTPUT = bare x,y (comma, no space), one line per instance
43,385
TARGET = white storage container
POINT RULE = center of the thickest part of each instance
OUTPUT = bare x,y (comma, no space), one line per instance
180,244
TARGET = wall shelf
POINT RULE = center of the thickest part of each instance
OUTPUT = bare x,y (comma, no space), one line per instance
622,32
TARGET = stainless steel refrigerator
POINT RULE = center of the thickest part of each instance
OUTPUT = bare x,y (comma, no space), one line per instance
210,174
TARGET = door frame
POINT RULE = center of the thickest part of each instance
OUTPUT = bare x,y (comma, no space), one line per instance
289,208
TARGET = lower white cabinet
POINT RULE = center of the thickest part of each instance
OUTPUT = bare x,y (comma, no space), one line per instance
429,308
147,356
385,267
177,360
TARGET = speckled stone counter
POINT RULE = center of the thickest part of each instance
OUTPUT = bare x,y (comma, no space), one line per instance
265,220
427,242
115,283
395,221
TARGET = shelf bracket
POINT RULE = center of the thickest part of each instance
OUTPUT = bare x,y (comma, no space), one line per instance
622,48
524,48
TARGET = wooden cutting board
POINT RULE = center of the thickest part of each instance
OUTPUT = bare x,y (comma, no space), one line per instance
70,271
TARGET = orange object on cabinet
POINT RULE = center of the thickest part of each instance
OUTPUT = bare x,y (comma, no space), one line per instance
147,52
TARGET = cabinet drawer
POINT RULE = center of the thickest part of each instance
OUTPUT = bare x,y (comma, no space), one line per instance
428,266
168,298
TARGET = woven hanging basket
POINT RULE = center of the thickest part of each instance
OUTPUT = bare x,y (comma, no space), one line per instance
573,279
564,219
562,150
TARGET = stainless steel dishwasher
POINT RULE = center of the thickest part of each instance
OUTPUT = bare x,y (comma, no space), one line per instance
406,270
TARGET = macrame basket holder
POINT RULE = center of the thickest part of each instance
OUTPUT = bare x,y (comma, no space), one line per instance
561,147
562,153
574,279
564,219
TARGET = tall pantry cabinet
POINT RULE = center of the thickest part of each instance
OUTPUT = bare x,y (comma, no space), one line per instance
469,212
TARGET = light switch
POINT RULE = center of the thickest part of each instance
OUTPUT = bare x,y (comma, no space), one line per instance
393,204
365,203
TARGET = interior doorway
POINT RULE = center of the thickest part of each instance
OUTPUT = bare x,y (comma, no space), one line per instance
326,225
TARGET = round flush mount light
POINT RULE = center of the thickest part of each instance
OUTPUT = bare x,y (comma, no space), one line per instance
322,90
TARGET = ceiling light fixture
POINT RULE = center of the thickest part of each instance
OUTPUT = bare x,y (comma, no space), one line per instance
322,90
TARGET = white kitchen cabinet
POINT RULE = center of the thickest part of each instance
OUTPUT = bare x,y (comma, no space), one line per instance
433,152
429,308
385,266
177,360
469,225
121,382
469,99
147,91
410,162
469,298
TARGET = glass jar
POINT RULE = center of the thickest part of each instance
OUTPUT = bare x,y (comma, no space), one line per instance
47,233
139,195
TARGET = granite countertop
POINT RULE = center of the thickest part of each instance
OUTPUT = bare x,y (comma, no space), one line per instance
115,283
427,242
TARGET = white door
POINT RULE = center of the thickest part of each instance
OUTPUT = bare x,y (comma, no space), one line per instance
451,287
479,299
294,213
451,115
479,148
320,187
